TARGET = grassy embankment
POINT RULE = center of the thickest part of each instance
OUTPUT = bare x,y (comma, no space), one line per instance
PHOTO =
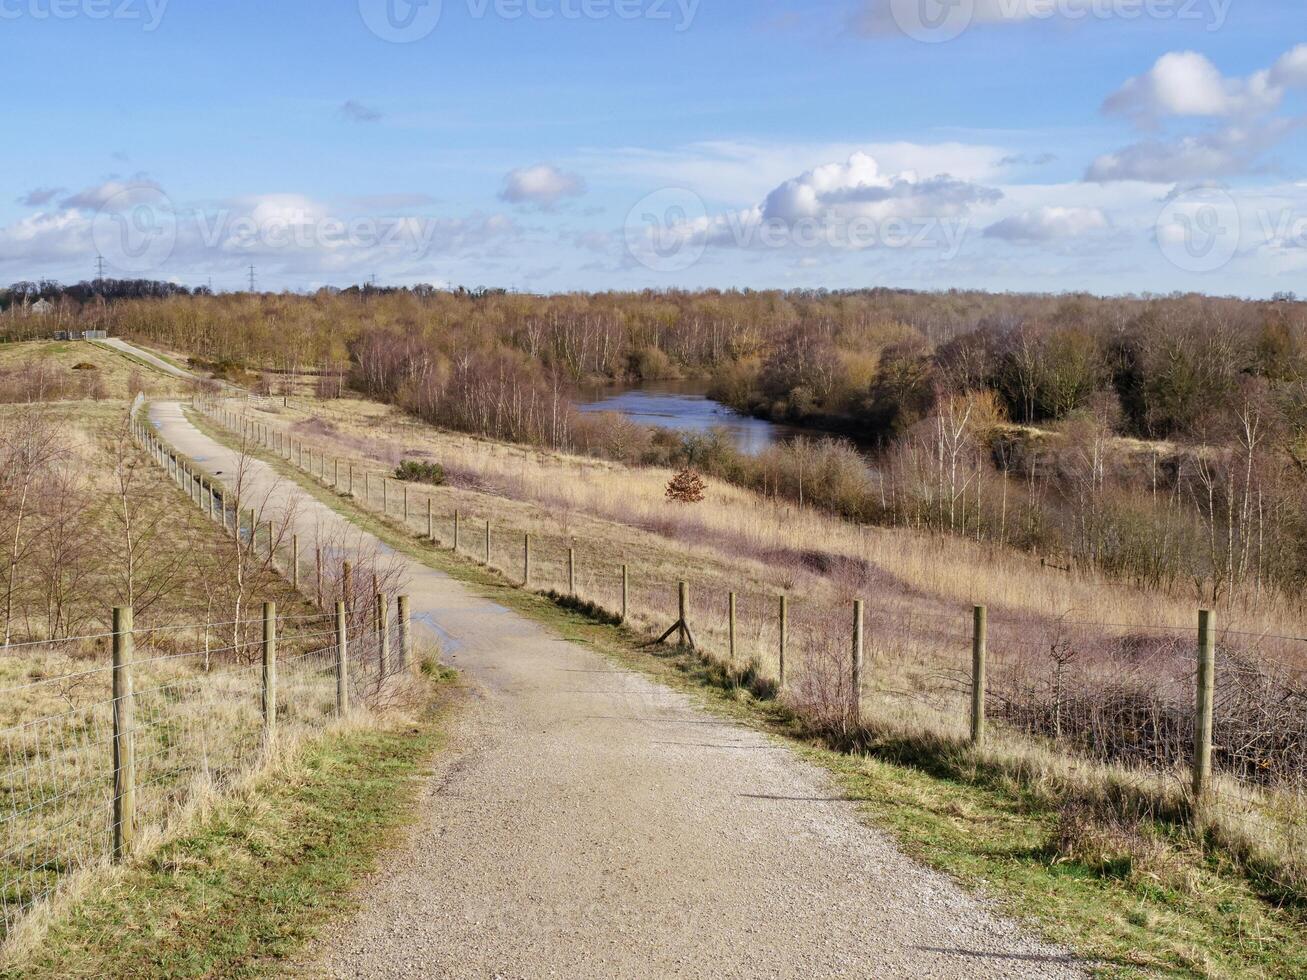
1017,821
242,890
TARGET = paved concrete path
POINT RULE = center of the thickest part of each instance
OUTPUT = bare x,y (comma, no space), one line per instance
589,823
156,362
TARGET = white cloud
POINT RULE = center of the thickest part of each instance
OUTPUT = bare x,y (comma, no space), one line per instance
284,234
541,186
741,172
860,189
1185,83
847,207
1218,153
46,237
115,194
1049,224
1291,70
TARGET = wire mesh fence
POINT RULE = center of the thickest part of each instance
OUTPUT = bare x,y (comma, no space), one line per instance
196,721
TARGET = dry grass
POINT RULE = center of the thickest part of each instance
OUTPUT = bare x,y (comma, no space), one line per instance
117,376
919,590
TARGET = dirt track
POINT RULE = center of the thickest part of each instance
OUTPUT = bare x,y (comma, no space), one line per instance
589,823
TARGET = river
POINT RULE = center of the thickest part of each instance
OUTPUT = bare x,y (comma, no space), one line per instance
685,407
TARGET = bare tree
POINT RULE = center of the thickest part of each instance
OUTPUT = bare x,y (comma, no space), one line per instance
29,446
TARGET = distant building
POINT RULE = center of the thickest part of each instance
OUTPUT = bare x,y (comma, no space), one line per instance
41,307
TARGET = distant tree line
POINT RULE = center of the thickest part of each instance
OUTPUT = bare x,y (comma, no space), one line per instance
1162,438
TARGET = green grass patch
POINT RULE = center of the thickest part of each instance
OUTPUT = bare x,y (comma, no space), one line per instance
242,893
1202,918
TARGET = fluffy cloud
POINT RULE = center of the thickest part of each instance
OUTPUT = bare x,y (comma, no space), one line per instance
858,189
358,112
1049,224
541,186
1219,153
44,238
745,172
286,235
1185,83
114,194
838,208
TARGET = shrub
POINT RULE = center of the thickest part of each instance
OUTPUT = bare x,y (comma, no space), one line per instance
687,487
419,471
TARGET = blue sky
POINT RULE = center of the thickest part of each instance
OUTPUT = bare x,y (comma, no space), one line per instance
1109,145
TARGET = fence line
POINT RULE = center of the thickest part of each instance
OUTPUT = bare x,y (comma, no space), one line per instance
96,762
1137,697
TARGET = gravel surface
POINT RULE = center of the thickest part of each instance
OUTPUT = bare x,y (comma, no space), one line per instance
586,822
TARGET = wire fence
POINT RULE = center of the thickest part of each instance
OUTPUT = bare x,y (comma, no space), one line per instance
108,739
189,725
1113,692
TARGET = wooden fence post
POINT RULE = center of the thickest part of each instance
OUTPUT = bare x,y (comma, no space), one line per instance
855,706
367,487
383,634
526,560
784,626
1203,707
405,634
346,581
571,571
979,636
335,474
385,497
317,554
351,478
342,662
683,612
124,737
269,672
626,592
730,626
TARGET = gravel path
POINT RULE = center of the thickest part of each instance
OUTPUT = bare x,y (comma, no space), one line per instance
589,823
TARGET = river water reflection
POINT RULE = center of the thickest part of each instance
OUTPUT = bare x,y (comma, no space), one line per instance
685,407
